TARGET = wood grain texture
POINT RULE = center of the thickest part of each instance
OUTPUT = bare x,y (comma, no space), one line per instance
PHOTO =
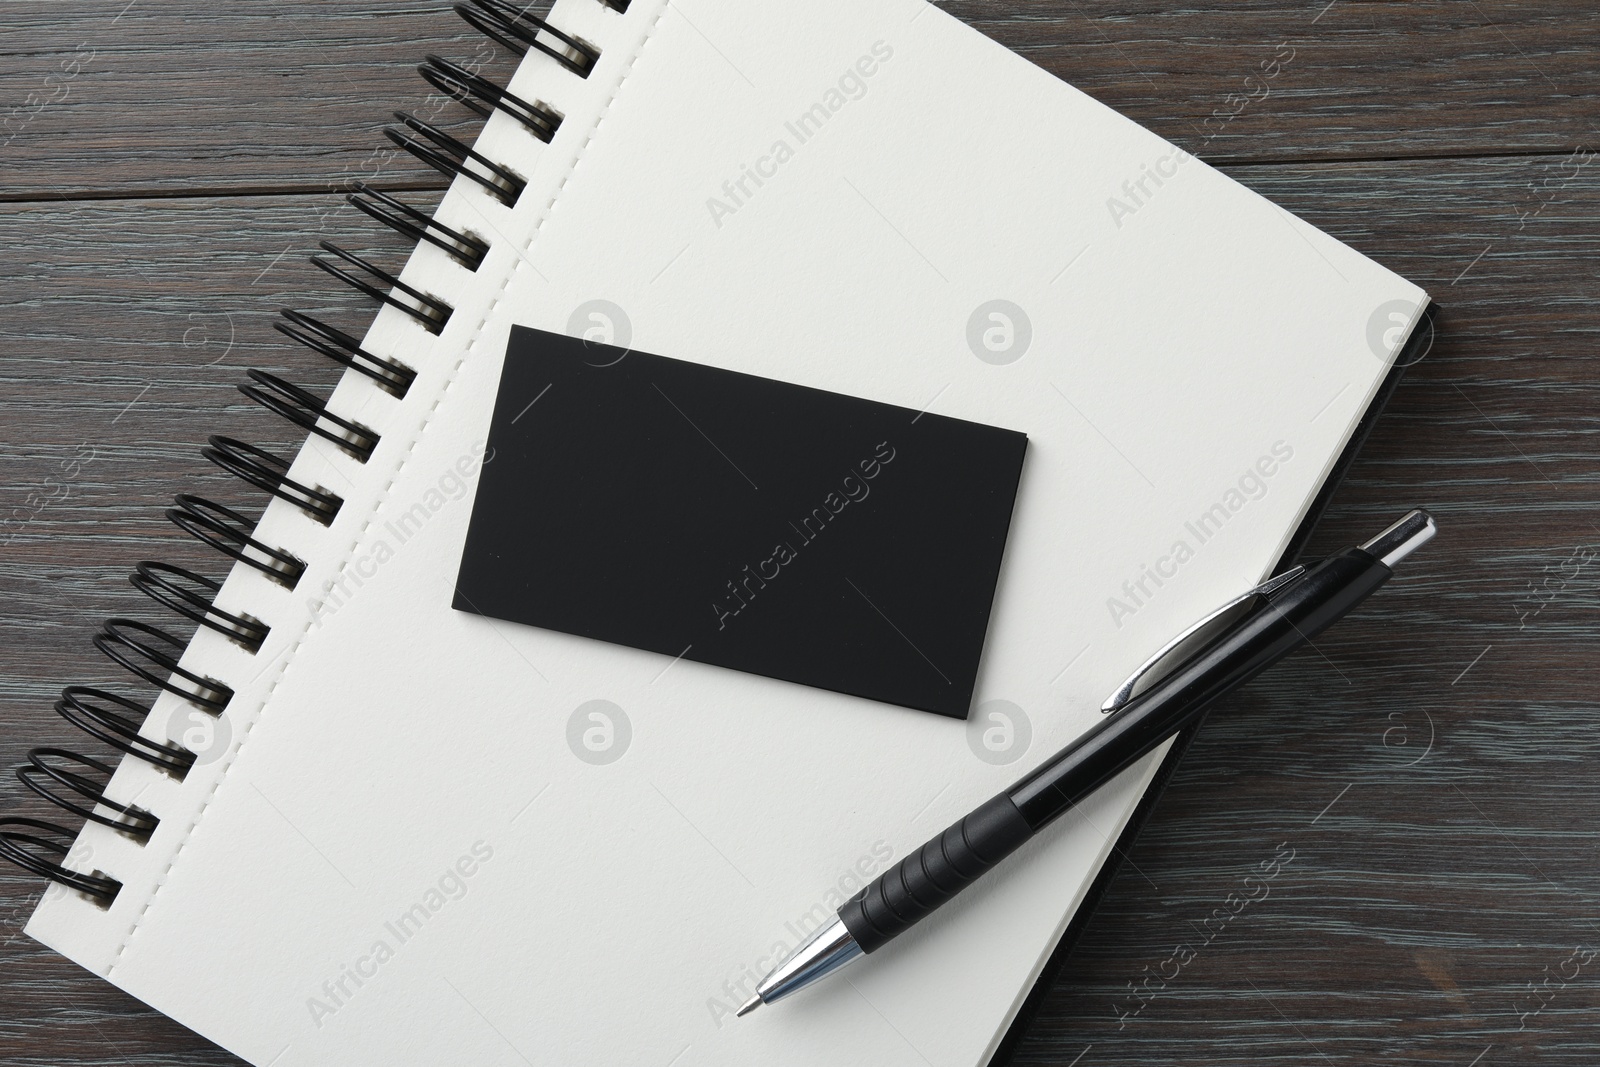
1420,785
105,97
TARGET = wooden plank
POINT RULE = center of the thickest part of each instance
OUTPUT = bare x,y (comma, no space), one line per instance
1416,907
168,95
1268,80
157,96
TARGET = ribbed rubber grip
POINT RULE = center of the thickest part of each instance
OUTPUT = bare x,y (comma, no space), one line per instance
914,887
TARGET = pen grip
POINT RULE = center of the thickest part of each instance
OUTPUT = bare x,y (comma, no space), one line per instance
913,888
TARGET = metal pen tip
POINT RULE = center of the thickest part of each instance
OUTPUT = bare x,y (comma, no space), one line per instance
749,1006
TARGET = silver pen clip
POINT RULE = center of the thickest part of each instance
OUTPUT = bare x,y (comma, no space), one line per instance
1124,691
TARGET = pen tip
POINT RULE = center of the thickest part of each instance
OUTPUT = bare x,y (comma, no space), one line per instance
749,1006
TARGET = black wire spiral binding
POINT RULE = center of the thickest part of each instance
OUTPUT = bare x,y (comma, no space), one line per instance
449,156
136,647
301,407
228,532
340,347
175,588
484,97
15,839
430,311
270,473
519,31
419,226
43,763
85,709
77,783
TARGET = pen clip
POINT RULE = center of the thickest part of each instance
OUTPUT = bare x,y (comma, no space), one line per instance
1124,691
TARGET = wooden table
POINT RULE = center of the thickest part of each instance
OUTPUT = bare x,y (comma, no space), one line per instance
1426,781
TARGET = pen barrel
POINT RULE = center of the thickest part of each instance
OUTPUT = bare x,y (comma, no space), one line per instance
917,885
1328,591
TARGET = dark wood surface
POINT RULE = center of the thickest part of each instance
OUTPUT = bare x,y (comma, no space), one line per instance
1425,778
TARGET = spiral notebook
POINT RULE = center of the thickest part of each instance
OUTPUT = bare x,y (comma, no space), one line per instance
359,825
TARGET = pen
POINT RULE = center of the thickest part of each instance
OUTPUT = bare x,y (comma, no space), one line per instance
1289,611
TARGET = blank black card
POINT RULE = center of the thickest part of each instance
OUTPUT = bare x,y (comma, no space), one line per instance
738,521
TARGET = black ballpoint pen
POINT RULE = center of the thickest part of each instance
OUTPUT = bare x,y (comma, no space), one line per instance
1292,609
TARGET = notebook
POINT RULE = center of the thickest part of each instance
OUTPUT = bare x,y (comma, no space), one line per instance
361,825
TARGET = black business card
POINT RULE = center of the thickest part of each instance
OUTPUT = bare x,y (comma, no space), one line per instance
731,519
